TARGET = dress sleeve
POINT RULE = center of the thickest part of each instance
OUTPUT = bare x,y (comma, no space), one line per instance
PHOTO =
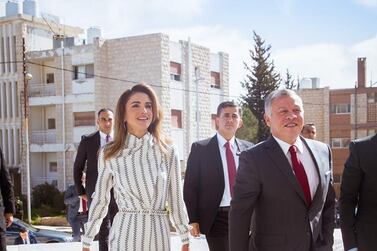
175,198
101,199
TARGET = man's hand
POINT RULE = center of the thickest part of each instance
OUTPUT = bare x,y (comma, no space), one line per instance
185,247
84,197
195,230
85,249
8,219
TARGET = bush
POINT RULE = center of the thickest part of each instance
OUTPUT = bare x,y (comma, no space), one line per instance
47,200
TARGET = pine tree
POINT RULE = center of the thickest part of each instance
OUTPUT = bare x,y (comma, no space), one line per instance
289,82
261,80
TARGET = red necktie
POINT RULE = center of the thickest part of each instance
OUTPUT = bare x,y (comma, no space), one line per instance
84,208
231,166
300,173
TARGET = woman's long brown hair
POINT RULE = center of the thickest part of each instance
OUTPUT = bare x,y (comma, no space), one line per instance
120,128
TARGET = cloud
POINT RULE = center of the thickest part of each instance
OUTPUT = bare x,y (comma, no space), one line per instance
334,64
368,3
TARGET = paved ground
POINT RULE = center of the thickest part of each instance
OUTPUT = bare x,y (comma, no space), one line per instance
200,244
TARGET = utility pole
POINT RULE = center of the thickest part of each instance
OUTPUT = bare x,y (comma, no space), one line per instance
27,77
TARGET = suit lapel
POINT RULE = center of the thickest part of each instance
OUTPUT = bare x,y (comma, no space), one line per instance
318,163
281,162
215,161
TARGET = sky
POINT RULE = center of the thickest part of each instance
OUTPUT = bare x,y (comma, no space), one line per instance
321,38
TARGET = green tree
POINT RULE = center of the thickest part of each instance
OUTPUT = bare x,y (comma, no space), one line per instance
249,129
261,79
289,82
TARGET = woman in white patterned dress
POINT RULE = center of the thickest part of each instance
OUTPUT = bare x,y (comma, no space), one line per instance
143,168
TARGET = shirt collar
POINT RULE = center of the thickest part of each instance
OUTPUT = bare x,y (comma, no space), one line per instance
285,146
103,135
222,140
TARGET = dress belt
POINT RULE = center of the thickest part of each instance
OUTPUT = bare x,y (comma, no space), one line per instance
143,211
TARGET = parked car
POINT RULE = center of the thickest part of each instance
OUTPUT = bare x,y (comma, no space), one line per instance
42,235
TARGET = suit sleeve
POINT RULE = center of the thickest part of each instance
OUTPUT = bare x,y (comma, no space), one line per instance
6,187
191,184
246,191
328,211
79,166
349,193
175,199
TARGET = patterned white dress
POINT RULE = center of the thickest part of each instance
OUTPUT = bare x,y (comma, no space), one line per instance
146,184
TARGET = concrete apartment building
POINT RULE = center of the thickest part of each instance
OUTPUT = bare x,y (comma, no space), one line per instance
342,115
95,75
15,28
72,80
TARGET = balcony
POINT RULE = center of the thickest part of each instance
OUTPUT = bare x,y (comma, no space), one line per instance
42,90
43,137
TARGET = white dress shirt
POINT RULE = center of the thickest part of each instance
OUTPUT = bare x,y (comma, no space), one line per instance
225,201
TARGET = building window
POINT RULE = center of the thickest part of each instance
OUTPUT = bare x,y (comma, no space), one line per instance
340,142
83,71
341,108
213,121
175,71
50,78
215,79
372,97
53,167
84,118
51,124
176,118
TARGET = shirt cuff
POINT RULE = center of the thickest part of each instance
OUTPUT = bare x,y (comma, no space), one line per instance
86,241
185,238
353,249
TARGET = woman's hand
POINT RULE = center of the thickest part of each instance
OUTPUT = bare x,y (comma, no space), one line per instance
185,247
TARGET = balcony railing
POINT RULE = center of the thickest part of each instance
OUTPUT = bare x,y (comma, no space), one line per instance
43,137
42,90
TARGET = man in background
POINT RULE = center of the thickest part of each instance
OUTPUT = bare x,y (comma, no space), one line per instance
309,131
209,179
86,158
24,238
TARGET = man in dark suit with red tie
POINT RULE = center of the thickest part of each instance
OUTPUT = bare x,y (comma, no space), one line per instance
86,159
209,178
283,196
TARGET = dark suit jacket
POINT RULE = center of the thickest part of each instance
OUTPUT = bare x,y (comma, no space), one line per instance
72,200
6,195
19,241
268,194
87,154
204,181
358,196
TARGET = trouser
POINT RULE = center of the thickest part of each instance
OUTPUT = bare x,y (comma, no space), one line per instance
3,241
217,238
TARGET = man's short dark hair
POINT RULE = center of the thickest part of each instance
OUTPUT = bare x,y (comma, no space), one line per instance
226,104
23,230
104,110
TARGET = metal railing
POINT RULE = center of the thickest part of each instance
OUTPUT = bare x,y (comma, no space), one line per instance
42,90
43,137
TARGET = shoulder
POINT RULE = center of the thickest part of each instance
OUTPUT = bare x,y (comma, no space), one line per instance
245,142
90,136
366,141
205,142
